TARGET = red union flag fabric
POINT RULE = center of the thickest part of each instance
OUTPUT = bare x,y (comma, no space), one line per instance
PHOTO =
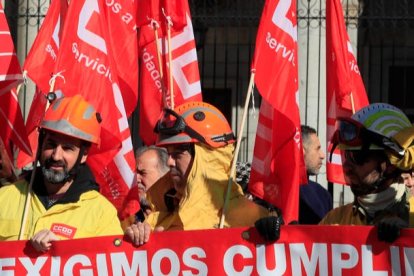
159,10
85,61
10,72
301,250
122,31
185,72
36,114
345,89
39,65
12,122
40,61
278,166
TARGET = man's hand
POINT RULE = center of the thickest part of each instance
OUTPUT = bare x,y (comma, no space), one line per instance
139,233
42,240
389,228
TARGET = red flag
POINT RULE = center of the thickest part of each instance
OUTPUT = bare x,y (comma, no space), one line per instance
39,65
40,61
122,31
12,123
85,60
345,91
36,114
186,76
278,166
10,72
162,10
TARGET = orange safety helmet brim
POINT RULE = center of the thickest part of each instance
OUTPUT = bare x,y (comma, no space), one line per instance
74,117
194,122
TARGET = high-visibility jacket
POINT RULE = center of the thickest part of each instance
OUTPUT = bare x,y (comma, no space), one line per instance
89,215
202,201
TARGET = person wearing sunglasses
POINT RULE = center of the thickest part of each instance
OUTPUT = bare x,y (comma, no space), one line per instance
200,145
377,146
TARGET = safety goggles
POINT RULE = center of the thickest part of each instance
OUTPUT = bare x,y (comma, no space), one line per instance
172,124
353,134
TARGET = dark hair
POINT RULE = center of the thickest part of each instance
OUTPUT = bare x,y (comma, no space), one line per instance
307,131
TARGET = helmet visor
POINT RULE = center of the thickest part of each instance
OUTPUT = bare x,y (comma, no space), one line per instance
349,132
352,135
171,123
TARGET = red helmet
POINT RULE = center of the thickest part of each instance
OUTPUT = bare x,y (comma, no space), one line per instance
194,122
75,117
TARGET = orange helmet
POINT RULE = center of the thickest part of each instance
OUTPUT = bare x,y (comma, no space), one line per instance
75,117
194,122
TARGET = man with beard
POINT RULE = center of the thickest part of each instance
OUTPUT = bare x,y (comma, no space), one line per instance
64,202
314,200
378,146
199,142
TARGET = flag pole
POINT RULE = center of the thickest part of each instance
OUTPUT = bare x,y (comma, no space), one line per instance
32,177
352,103
171,83
237,149
155,27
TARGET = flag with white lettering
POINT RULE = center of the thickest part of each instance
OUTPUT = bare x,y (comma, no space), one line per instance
345,91
278,166
12,122
86,62
41,59
155,79
10,71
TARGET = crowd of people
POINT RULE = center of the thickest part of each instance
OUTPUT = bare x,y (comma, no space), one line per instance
183,179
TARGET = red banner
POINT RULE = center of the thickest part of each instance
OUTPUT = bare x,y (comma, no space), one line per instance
10,72
345,91
185,74
301,250
278,167
86,61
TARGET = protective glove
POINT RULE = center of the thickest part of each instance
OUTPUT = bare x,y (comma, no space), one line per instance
269,227
389,228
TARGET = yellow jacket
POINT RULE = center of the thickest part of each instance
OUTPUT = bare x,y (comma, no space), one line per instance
201,205
92,215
